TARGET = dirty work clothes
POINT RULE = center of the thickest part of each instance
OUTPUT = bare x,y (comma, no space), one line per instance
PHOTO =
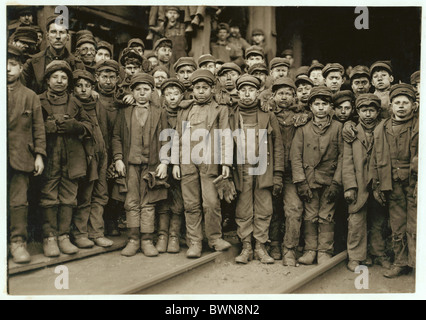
227,52
386,112
17,186
176,34
293,211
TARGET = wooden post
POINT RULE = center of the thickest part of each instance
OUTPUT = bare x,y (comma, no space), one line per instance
201,39
264,18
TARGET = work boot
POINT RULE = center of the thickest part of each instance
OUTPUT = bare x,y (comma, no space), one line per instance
173,245
161,244
396,271
132,247
194,250
383,261
261,254
352,265
219,244
148,248
289,257
65,245
308,257
83,243
50,247
323,257
18,250
246,254
103,242
275,250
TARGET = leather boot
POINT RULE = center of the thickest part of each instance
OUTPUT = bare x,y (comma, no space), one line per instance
103,242
219,244
275,250
289,257
246,254
308,257
50,221
50,247
194,250
173,245
18,250
131,248
162,242
83,243
396,271
174,233
323,257
352,265
148,248
311,243
65,245
261,254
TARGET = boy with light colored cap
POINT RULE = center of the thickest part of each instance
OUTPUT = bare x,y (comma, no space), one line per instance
254,55
207,61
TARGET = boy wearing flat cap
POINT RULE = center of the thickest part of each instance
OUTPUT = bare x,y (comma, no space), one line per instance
132,63
381,79
92,193
315,73
136,151
184,68
163,49
358,194
198,170
86,51
254,55
26,39
260,71
393,170
26,149
104,51
207,61
360,80
343,105
333,74
316,162
228,93
66,125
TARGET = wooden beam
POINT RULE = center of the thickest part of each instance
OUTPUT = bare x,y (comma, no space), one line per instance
109,16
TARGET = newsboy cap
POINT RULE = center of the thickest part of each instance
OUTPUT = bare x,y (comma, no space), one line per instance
25,34
129,53
202,75
247,79
283,82
386,65
359,71
320,91
229,66
136,42
367,99
83,74
56,65
107,65
86,39
332,67
15,52
342,96
258,67
205,58
163,42
142,78
172,82
254,50
105,45
415,77
315,65
184,61
277,62
256,32
402,89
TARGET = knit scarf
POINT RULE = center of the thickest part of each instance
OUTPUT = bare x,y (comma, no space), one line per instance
87,105
204,101
251,108
396,122
55,98
368,126
105,93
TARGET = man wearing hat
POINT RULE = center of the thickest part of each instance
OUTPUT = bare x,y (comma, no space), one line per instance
26,149
333,74
258,39
163,49
207,61
184,68
381,79
316,161
224,50
227,76
393,170
197,174
86,52
358,195
260,71
136,148
104,51
26,39
66,127
315,73
92,193
34,69
254,205
360,80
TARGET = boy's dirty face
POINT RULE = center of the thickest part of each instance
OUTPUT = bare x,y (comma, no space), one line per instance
303,91
343,111
228,79
209,66
202,90
381,79
279,72
368,114
172,16
87,52
222,34
26,19
164,54
57,36
14,69
138,49
142,93
154,61
284,97
253,59
102,54
58,81
258,38
248,94
402,107
361,85
261,76
316,77
334,80
107,80
321,108
173,96
183,75
132,69
83,89
159,77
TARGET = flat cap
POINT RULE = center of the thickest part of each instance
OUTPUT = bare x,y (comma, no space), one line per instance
256,32
184,61
320,91
283,82
107,65
258,67
149,54
161,68
332,67
223,25
386,65
254,50
247,79
277,62
52,19
105,45
205,58
402,89
26,34
86,39
56,65
303,78
359,71
202,75
342,96
415,77
163,42
136,42
81,33
367,99
142,78
129,53
83,74
16,52
172,82
287,52
227,67
315,65
175,8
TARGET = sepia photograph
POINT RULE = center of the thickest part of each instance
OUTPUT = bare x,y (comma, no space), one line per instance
199,151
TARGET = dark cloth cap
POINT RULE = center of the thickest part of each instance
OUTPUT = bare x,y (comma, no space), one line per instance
342,96
223,25
149,54
175,8
172,82
184,61
257,32
415,77
303,78
56,65
228,66
129,53
142,78
84,74
249,80
82,33
283,82
15,52
258,67
26,34
320,91
86,39
220,61
136,41
105,45
303,70
202,74
50,20
163,42
387,65
276,62
205,58
23,10
360,71
162,68
315,65
366,99
254,50
107,65
402,89
330,67
287,52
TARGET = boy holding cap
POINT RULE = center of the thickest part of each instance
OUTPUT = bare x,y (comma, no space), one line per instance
136,150
393,169
197,174
381,79
333,74
316,162
362,205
